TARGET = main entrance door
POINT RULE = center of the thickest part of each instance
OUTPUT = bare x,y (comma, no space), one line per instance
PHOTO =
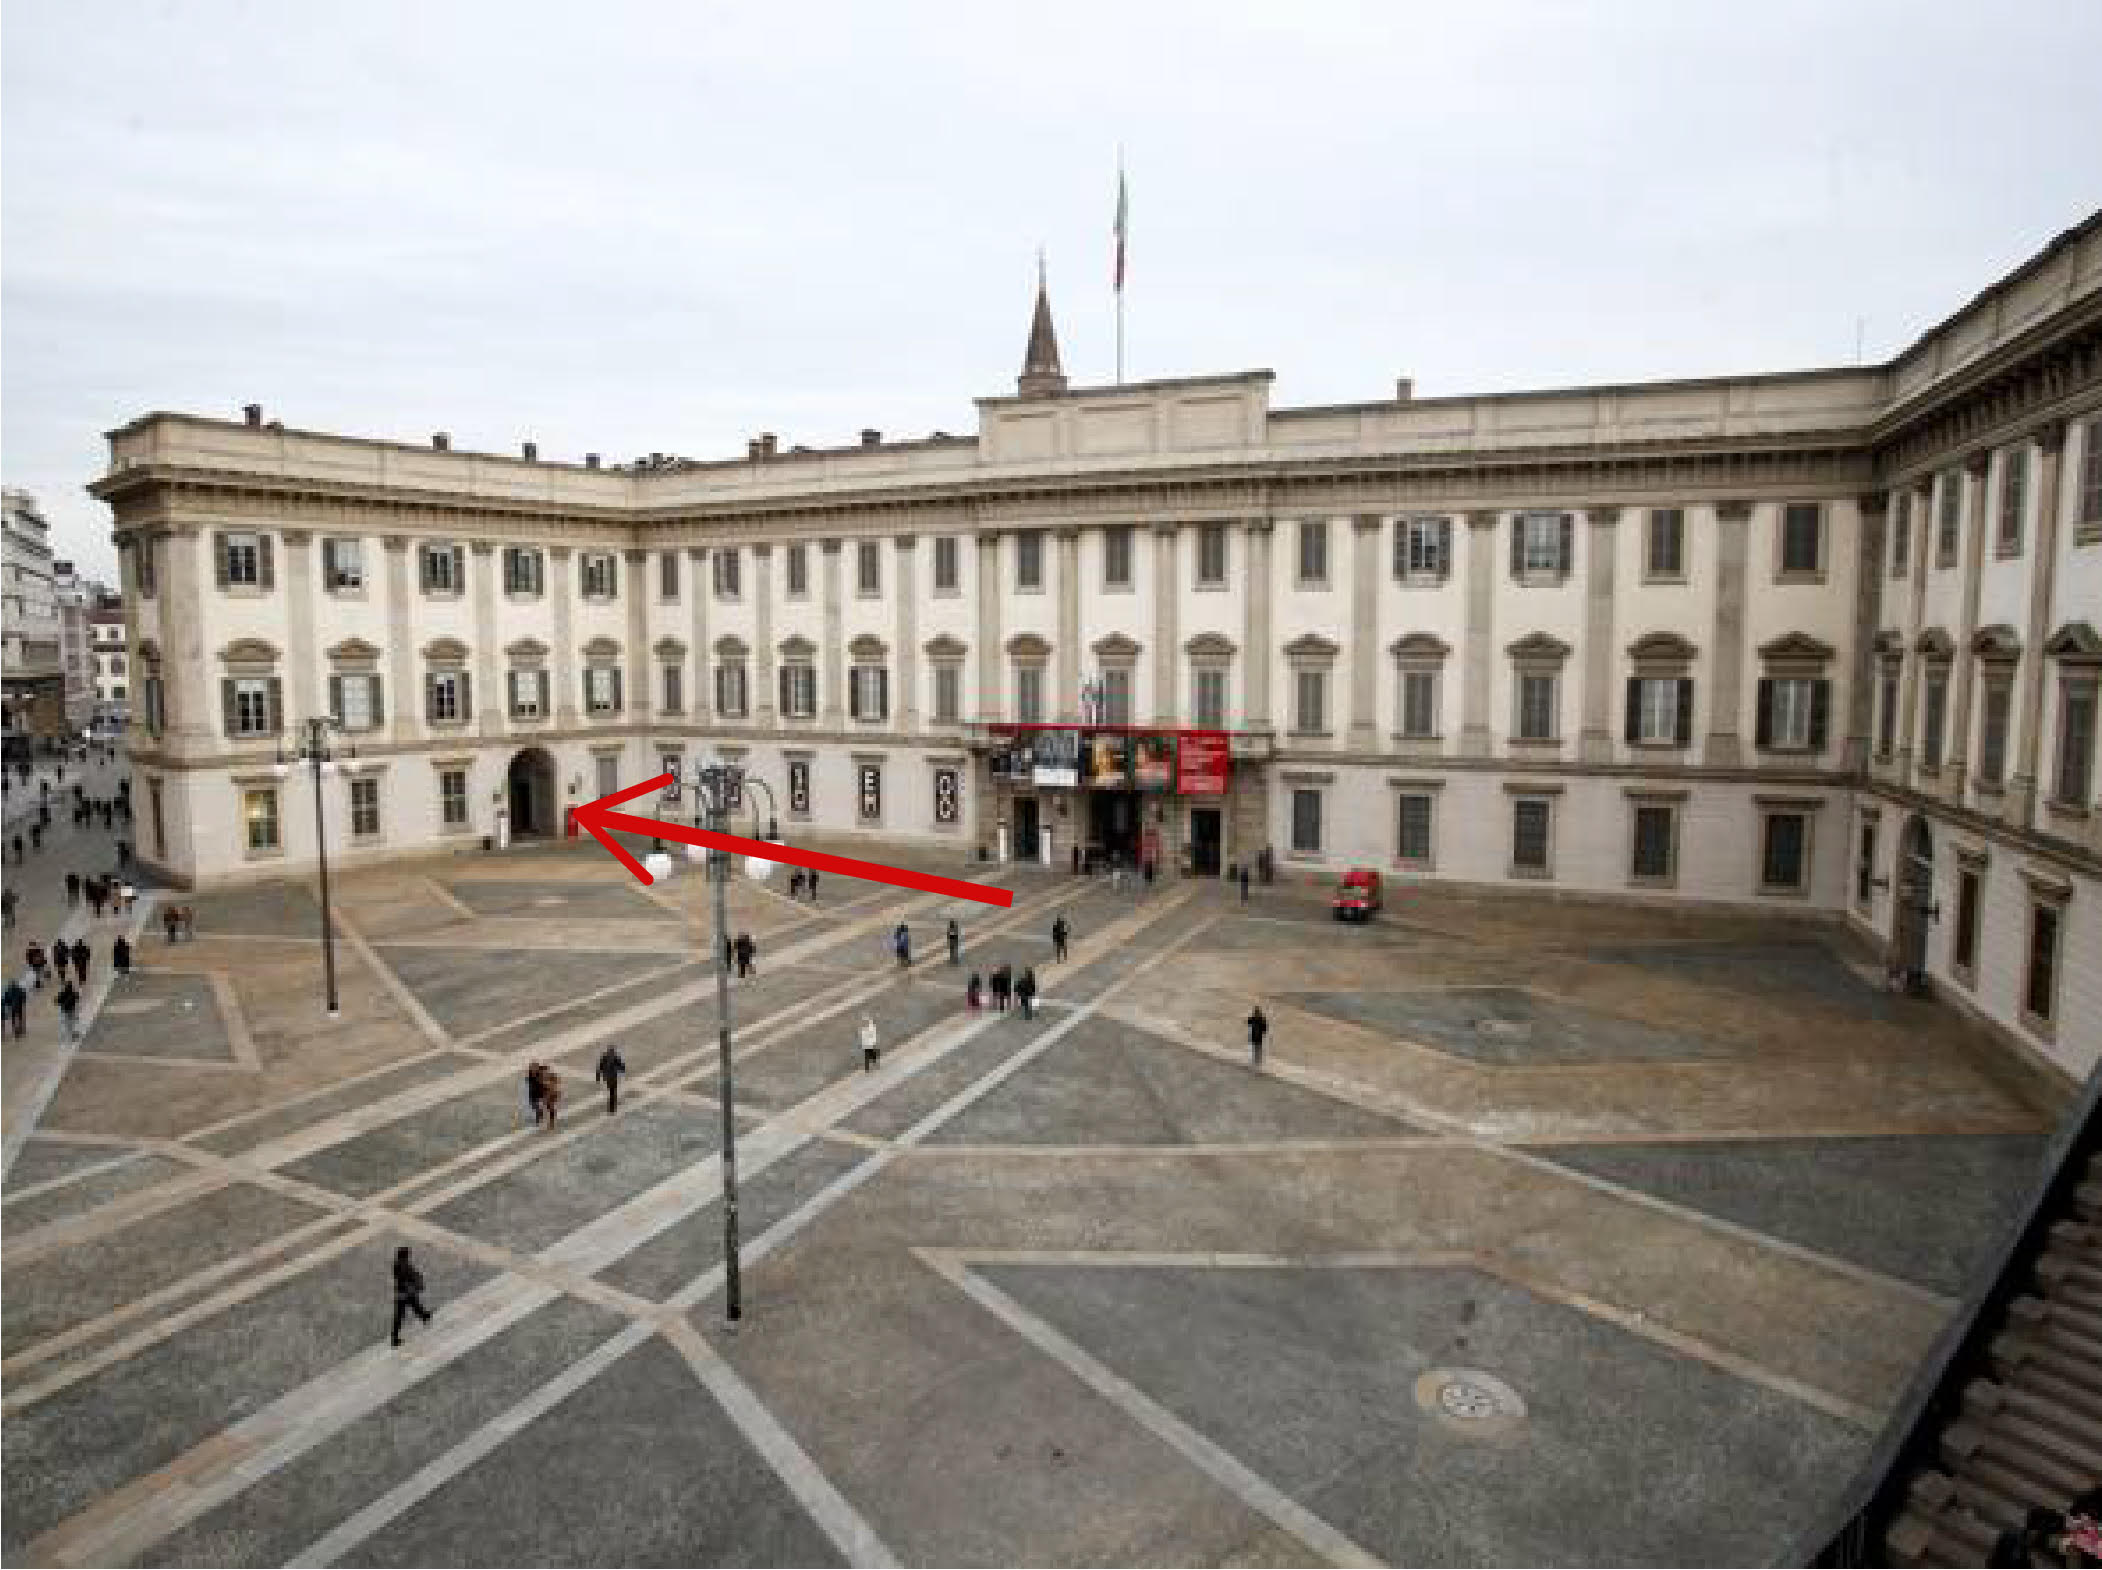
1026,825
1113,823
1915,898
530,790
1204,842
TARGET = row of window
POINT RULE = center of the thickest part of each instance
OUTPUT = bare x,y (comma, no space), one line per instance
2008,505
2071,776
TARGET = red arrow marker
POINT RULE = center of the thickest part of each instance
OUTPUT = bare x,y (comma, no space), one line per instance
598,817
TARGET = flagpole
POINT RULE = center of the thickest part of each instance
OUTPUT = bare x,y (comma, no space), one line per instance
1122,228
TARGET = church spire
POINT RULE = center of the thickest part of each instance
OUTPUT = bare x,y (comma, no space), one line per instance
1041,375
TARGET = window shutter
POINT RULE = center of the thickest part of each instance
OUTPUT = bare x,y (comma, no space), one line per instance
227,706
466,696
584,572
587,689
1820,713
1634,721
1682,733
1567,553
540,684
423,568
1518,546
459,569
883,693
786,706
265,568
328,564
275,719
379,708
1444,547
335,698
430,698
616,689
220,564
1763,735
612,574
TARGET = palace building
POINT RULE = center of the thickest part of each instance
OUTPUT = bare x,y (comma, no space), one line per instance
1821,641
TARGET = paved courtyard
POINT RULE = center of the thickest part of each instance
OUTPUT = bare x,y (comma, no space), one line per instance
1550,1232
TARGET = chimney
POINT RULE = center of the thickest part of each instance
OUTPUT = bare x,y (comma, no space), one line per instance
871,438
591,460
442,440
530,451
769,444
253,412
1404,388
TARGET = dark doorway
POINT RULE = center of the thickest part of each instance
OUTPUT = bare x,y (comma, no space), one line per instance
1113,825
1204,842
531,792
1026,825
1915,898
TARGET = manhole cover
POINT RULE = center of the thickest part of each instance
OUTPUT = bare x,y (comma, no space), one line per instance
1504,1029
134,1006
1468,1401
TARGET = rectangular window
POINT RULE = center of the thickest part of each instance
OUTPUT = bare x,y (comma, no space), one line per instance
342,565
1419,705
259,816
1781,855
1422,549
1950,533
1029,559
2014,499
1116,697
2091,475
523,571
600,576
799,691
1792,713
148,576
1531,822
355,709
868,787
602,689
2076,742
157,817
1802,539
1964,952
2040,987
727,569
729,688
674,689
1313,552
1211,556
1933,719
365,808
947,557
1545,544
1310,705
1886,711
1901,538
608,773
1537,720
948,694
1306,823
1996,699
156,705
868,691
1865,868
799,788
868,568
526,701
1208,699
244,561
1029,695
443,567
251,707
1656,828
1413,833
1116,556
668,575
798,571
1657,710
1664,555
447,698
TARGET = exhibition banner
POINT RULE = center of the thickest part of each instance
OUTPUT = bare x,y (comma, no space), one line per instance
1153,762
1204,761
1057,758
1109,762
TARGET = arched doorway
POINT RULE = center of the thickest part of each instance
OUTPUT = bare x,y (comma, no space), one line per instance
530,792
1914,889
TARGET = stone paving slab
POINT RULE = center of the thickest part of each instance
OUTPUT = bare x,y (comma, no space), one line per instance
46,1157
1627,1453
799,1065
90,1193
898,1109
291,1117
119,1424
1508,1026
411,1146
468,990
288,1511
640,1467
1927,1211
1801,971
162,1014
556,901
264,910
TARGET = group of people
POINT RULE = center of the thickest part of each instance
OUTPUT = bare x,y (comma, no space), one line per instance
68,963
1004,987
738,954
111,890
543,1086
802,881
85,810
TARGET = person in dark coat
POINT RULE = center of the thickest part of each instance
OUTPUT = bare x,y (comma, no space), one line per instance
1025,991
1060,932
745,950
80,960
955,942
61,957
795,883
169,921
69,1010
34,957
120,956
18,850
1003,987
973,992
14,1002
901,942
534,1091
72,888
408,1291
1244,883
611,1065
98,895
1258,1027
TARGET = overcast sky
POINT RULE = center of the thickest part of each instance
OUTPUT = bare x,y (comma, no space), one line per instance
623,227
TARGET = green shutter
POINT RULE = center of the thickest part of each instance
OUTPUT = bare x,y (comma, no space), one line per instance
266,567
229,711
220,566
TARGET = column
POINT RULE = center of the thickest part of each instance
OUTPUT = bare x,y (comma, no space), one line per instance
1066,704
1478,661
1601,560
1733,521
702,698
1167,636
1921,559
1256,658
833,708
562,659
301,660
905,584
1364,633
2050,440
988,626
1955,784
186,665
404,692
763,701
641,695
492,705
1871,510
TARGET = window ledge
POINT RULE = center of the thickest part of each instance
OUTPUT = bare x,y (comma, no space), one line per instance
1541,580
1311,585
1422,580
458,724
1661,746
951,593
2039,1027
1211,586
1815,576
1535,746
1534,873
1418,738
442,594
1117,588
456,828
1800,749
2066,809
1668,881
1665,578
1309,735
270,853
1784,891
1029,588
2007,550
2088,533
526,719
346,594
1985,787
521,597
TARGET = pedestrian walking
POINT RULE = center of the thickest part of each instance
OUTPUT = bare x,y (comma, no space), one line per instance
408,1291
534,1091
973,993
34,957
123,855
746,949
98,895
811,883
1258,1027
36,834
1025,993
18,850
69,1010
72,888
795,884
1116,876
127,896
901,941
61,957
9,899
14,1003
729,952
955,942
871,1051
80,960
1266,864
1003,987
171,918
611,1065
1060,932
120,956
1244,883
189,923
1148,872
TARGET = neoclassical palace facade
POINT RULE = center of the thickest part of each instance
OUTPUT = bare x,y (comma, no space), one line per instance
1822,640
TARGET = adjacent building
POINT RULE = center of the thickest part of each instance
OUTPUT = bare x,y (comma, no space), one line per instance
32,674
1821,641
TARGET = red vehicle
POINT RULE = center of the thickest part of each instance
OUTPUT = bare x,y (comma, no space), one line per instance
1357,896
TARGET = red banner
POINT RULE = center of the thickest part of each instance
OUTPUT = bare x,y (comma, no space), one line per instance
1203,761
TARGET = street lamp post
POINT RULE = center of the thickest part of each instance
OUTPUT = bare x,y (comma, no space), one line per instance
716,786
315,752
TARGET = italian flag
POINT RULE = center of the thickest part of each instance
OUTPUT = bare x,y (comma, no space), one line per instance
1122,229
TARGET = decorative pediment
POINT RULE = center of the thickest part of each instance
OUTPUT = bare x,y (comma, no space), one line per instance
1210,646
1028,646
249,651
602,649
445,651
945,647
798,650
668,649
1419,646
524,649
1797,646
868,647
730,647
1935,644
1889,645
1999,643
1539,647
1116,646
2076,642
1662,648
354,651
149,650
1312,646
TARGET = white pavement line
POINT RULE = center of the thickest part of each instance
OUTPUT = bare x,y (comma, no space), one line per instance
236,1022
419,1016
1246,1485
427,1480
446,897
292,1103
52,1185
29,1111
849,1530
118,1213
625,984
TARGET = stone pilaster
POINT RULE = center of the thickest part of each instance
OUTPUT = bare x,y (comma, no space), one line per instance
701,701
1733,527
1872,517
988,575
492,704
1167,600
1955,779
1478,667
1363,733
2043,576
906,665
833,702
404,691
187,666
1909,680
562,658
1066,702
763,699
302,658
1601,560
1259,653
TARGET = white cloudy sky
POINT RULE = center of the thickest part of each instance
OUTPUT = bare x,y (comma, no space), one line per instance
623,227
